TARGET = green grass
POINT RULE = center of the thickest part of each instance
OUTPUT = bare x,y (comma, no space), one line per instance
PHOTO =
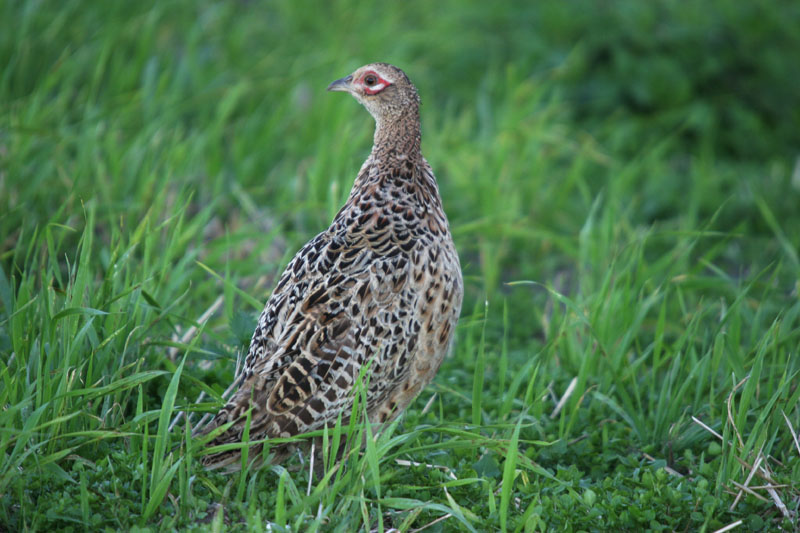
623,203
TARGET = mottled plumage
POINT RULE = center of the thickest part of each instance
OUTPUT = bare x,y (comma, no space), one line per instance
382,285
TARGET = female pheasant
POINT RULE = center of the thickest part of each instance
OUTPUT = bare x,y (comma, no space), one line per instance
380,287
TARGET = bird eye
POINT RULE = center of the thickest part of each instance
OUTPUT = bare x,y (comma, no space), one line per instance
370,80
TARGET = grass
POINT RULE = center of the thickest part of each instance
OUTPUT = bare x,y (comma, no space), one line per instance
626,216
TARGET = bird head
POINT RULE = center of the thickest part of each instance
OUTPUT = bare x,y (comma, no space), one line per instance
383,89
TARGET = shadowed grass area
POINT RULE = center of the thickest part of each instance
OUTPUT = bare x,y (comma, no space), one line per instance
622,189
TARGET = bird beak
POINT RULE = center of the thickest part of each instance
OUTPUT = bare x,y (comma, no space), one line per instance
341,85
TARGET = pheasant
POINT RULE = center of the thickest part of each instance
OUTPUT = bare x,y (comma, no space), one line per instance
380,287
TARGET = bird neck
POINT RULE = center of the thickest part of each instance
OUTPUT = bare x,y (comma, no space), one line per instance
397,137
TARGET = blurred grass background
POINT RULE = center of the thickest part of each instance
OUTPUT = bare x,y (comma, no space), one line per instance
623,188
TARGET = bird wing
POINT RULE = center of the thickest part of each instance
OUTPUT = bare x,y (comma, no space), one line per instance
331,313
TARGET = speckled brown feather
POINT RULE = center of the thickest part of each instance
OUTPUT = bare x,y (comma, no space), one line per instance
381,285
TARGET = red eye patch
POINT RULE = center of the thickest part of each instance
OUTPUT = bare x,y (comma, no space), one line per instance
373,83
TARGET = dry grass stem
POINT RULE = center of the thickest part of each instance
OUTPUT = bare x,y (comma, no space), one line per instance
729,527
565,397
